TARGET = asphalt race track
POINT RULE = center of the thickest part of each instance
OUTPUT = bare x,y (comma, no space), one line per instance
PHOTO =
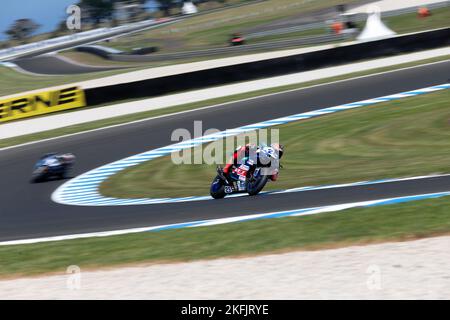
27,211
56,65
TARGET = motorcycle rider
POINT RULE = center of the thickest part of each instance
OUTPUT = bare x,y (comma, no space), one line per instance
55,159
66,158
52,165
265,157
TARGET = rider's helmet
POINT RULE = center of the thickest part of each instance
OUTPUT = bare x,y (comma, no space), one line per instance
278,148
67,158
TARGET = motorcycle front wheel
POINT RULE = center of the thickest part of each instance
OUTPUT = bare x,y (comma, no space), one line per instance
217,189
38,177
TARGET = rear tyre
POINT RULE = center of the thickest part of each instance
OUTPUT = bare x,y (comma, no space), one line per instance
217,189
254,187
64,174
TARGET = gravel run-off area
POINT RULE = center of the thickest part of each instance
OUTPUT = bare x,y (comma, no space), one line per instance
418,269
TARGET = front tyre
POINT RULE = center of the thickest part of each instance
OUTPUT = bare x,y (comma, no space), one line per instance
217,189
256,185
39,175
37,178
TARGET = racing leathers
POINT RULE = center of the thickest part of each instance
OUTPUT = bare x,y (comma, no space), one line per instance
265,157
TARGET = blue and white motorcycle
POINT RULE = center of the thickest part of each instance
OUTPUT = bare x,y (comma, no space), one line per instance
52,165
248,177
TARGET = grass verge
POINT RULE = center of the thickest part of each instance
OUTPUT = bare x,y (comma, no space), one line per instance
192,106
406,137
12,81
328,230
213,29
405,23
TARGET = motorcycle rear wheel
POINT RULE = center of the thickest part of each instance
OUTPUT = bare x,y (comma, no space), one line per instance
253,188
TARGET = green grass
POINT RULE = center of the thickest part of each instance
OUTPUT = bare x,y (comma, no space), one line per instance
407,23
188,35
218,36
12,81
290,35
213,29
328,230
143,115
394,139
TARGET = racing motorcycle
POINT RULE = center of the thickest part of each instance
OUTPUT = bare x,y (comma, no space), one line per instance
52,165
249,177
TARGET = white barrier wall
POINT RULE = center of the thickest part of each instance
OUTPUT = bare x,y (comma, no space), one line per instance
11,53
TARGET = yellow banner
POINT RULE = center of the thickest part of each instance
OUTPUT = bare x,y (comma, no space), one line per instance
35,104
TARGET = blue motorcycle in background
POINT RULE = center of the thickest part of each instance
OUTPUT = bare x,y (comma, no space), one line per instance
52,165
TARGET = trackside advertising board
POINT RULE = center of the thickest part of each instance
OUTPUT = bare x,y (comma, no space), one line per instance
35,104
